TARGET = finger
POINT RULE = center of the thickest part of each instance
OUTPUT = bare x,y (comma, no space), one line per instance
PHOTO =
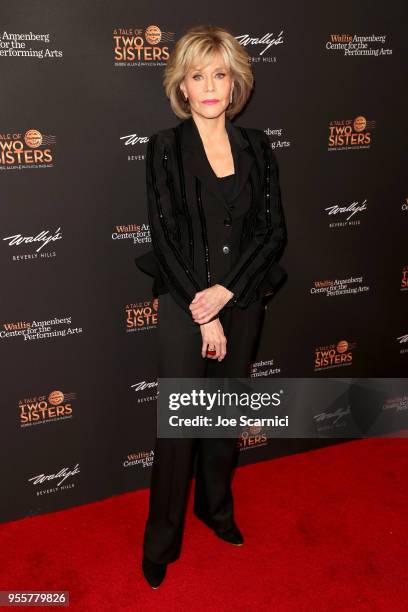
205,316
201,319
199,304
198,310
223,350
204,349
211,350
214,350
197,297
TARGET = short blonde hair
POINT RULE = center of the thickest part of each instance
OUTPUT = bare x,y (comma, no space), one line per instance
196,45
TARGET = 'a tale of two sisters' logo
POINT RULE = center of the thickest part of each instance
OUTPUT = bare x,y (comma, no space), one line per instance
56,406
334,355
142,316
22,150
141,46
347,134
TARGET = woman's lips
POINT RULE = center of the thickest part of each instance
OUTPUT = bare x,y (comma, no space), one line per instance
210,101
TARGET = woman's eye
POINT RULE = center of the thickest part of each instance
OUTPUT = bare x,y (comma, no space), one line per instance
222,74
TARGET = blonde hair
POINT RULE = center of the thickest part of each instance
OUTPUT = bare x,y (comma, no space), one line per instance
196,45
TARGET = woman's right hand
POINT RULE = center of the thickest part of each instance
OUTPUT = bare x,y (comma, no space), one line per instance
213,337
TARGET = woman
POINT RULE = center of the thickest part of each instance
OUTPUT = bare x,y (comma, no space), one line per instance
217,229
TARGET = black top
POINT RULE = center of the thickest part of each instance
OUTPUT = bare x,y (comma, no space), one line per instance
227,184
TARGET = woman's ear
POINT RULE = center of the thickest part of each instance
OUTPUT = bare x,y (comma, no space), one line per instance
183,90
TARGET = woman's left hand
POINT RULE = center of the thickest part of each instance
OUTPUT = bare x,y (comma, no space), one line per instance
207,303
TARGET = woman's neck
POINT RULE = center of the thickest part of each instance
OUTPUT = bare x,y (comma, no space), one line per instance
211,130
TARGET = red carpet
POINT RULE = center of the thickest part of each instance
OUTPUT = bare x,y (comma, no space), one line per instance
325,530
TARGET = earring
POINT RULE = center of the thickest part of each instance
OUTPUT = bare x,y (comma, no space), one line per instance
231,97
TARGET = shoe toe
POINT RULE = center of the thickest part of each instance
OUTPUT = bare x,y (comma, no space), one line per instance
231,535
153,572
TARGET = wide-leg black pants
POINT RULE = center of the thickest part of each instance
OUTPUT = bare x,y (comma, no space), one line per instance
179,343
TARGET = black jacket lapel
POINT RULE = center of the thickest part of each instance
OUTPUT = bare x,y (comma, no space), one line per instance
195,159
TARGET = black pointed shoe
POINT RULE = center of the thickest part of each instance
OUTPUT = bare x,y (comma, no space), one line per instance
231,535
153,572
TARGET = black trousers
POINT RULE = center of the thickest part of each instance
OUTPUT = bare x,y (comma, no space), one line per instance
179,343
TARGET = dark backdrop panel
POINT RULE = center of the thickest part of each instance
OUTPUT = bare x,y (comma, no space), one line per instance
79,399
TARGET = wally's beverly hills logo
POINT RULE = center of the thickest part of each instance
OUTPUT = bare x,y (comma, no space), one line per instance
56,406
37,242
141,46
346,214
134,147
347,134
403,341
31,149
52,483
261,45
145,391
141,316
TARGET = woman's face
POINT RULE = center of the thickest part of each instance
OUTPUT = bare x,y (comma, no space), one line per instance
208,87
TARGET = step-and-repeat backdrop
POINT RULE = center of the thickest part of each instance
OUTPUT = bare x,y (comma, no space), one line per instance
81,91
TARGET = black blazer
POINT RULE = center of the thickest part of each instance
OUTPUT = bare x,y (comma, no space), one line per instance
198,237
